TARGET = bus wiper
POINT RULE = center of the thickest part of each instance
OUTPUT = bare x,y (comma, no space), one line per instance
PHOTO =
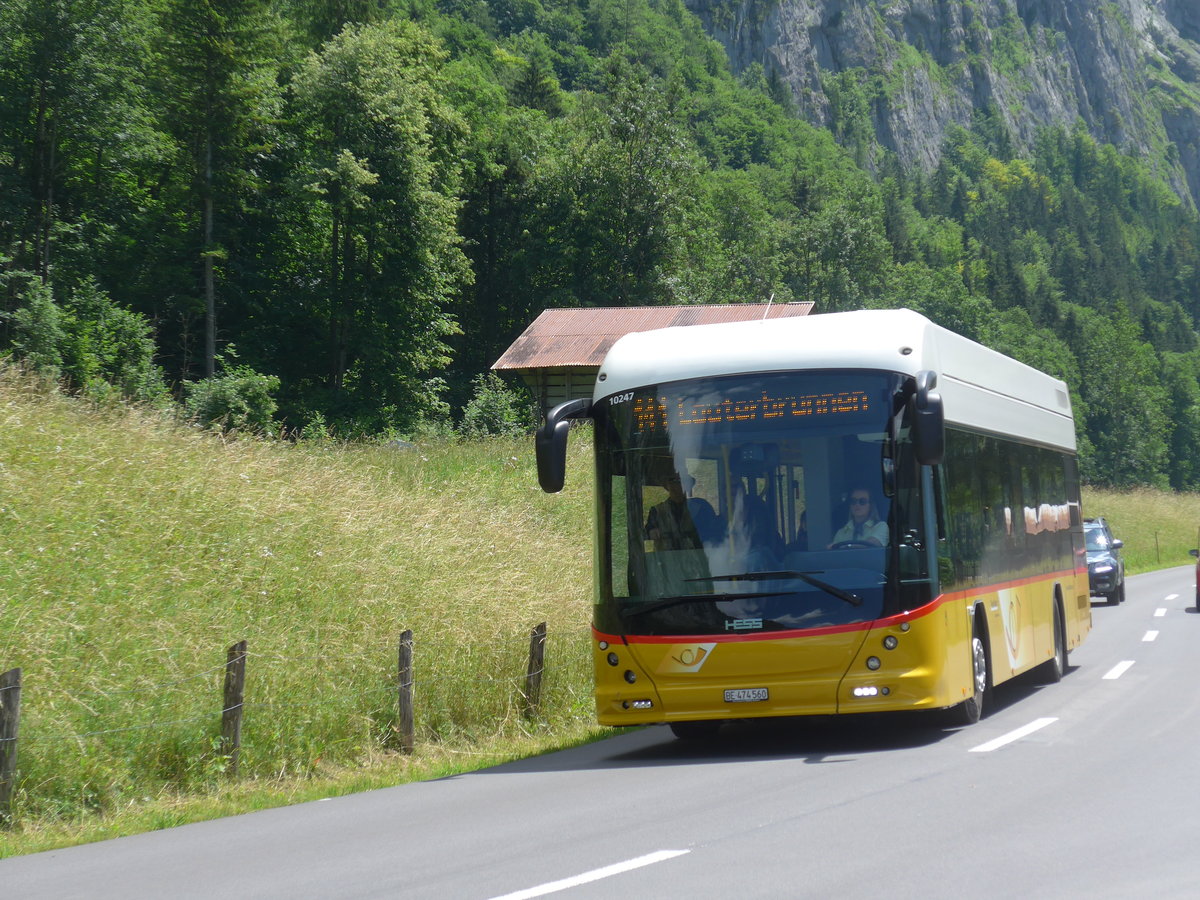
807,577
680,599
831,589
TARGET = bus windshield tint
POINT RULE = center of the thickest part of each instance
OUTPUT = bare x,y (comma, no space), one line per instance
753,503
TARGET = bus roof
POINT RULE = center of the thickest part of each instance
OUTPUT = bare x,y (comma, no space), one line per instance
981,389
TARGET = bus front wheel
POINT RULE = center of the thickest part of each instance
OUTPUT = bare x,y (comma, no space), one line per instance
970,710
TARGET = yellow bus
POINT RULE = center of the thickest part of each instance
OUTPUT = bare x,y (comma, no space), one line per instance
843,513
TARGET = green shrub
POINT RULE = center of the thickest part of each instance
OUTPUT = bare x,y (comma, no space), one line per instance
496,409
238,399
316,429
433,412
109,349
38,330
98,348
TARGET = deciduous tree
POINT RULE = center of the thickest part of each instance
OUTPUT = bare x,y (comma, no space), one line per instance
384,173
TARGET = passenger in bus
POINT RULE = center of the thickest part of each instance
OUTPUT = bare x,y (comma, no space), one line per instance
680,522
864,527
751,533
708,524
801,541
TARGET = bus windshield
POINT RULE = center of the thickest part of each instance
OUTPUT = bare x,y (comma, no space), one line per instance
756,503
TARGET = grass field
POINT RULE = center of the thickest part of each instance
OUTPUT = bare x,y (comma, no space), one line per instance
134,552
1158,528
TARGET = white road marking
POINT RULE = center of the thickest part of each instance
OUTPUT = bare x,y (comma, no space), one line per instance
1023,731
1118,670
1149,636
1159,613
594,875
1171,597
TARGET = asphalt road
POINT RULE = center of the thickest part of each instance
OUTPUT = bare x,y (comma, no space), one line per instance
1088,788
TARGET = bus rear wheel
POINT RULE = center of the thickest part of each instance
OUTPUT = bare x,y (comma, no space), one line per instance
1053,669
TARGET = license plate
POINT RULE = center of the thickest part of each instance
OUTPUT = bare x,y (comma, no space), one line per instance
745,695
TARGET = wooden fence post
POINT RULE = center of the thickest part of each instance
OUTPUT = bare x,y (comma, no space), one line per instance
405,691
10,718
231,711
533,673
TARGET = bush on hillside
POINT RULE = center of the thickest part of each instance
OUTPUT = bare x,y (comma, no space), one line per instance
433,412
496,409
96,347
109,350
38,332
238,399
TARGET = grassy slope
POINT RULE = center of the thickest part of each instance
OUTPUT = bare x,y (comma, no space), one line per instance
1158,528
132,553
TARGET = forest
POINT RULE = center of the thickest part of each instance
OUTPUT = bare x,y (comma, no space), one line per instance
331,216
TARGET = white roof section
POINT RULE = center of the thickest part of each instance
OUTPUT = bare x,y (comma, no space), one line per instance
980,388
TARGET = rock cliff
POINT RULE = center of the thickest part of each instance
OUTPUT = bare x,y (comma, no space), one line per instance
910,69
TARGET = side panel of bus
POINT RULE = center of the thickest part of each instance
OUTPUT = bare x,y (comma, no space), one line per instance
1012,548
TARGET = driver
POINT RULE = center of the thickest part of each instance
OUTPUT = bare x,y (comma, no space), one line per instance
863,526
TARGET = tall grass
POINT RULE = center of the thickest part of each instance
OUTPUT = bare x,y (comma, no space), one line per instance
133,552
1158,528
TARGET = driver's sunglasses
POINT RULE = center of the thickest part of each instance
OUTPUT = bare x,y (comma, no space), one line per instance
860,501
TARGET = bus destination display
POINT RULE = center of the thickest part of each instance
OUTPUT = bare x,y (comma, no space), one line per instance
650,413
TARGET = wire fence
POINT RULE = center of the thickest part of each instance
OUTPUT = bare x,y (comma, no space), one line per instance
387,699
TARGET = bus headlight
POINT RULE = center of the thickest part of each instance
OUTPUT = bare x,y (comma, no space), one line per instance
890,642
873,663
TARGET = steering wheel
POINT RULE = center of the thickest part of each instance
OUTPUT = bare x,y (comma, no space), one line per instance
846,545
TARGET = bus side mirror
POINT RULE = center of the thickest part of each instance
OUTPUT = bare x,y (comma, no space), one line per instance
550,443
928,420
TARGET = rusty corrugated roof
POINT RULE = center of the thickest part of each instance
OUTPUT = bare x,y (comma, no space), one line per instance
581,337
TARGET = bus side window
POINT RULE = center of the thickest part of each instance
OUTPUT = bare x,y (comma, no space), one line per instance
965,505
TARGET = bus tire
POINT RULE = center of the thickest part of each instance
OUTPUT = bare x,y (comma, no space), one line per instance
695,731
970,710
1053,669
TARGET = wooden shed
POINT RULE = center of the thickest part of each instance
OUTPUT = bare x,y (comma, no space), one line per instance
559,355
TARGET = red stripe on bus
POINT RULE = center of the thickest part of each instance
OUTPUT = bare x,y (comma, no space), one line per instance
907,616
